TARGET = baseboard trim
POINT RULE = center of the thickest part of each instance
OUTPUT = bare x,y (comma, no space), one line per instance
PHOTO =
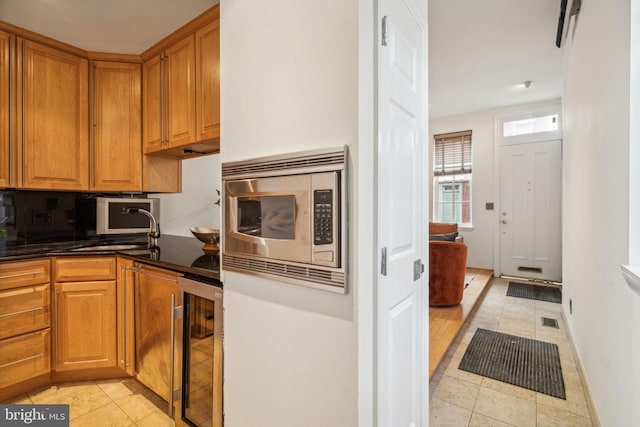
593,413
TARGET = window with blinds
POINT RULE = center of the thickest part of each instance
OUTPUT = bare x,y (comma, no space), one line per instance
452,153
452,178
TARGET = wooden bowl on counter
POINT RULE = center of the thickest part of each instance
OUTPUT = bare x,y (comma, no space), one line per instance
210,237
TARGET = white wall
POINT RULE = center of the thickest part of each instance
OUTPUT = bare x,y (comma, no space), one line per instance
289,72
195,205
596,207
479,239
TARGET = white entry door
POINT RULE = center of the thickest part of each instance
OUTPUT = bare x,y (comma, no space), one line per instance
402,334
530,210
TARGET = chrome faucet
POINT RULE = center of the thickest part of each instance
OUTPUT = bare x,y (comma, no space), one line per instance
154,227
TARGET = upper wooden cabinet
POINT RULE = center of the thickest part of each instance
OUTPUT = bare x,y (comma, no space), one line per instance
7,100
181,89
208,83
153,115
117,162
116,135
169,98
53,139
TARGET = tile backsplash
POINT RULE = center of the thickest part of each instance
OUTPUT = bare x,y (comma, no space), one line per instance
30,217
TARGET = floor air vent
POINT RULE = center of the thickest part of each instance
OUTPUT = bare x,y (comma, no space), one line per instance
530,269
552,323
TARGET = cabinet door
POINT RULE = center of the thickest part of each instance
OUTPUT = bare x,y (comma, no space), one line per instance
7,100
180,83
153,104
208,82
125,313
116,149
85,335
154,317
53,108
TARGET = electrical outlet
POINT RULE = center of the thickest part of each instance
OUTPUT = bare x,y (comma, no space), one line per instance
42,217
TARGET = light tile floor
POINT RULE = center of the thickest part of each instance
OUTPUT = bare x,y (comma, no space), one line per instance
461,399
104,403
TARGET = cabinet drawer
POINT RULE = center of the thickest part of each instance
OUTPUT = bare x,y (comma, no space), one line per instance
23,273
24,310
74,269
24,357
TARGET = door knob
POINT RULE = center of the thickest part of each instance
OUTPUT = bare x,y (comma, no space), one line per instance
504,221
504,214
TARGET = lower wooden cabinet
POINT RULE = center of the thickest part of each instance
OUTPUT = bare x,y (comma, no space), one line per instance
85,325
156,294
125,312
25,320
24,309
85,313
25,357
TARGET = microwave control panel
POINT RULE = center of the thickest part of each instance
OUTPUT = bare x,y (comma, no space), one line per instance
323,217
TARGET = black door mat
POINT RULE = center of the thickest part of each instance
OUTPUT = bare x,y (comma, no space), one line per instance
540,293
524,362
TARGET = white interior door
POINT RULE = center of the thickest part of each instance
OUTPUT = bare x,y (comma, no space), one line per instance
530,214
402,333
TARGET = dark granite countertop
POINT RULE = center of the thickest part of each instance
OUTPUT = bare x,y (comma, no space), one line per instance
183,254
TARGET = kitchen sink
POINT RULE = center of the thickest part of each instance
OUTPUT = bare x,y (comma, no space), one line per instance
99,248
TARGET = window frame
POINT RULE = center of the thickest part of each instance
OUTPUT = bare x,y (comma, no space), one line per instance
438,204
453,166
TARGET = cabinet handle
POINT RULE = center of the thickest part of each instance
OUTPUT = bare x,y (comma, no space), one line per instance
172,354
166,100
6,365
55,305
15,313
161,87
11,96
124,318
92,146
11,276
24,79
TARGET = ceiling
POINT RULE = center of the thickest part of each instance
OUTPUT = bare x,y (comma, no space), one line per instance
479,50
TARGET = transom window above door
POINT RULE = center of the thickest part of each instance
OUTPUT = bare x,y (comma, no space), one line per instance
545,123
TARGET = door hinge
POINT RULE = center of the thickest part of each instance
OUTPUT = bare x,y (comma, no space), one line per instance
384,31
383,266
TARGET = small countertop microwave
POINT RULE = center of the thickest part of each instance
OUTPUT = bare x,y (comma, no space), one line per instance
285,217
111,216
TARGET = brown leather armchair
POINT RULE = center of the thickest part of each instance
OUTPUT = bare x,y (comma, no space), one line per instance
447,267
444,228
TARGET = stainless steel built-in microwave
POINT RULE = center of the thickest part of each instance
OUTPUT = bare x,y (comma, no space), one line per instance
111,216
285,216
